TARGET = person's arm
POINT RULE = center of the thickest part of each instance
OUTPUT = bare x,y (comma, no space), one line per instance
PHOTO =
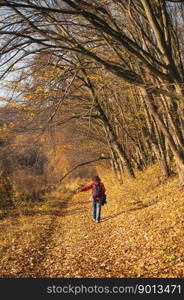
86,188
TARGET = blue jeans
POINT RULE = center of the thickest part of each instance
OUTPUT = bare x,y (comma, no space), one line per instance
96,207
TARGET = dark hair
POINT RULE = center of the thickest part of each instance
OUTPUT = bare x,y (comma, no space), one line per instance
96,178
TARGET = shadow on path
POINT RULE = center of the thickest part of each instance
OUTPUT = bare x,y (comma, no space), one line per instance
142,206
59,209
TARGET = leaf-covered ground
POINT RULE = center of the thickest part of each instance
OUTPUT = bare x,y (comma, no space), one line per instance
141,233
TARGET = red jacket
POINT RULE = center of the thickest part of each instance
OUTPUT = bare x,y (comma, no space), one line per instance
92,186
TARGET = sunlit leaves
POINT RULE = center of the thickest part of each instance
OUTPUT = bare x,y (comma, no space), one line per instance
59,239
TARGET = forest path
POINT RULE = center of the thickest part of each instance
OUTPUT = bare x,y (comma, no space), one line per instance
79,247
66,243
61,240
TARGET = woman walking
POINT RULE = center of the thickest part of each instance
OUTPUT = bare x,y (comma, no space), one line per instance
98,196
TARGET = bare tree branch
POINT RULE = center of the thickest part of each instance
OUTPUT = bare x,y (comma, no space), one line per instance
81,165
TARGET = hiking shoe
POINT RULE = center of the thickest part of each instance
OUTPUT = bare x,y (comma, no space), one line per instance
97,221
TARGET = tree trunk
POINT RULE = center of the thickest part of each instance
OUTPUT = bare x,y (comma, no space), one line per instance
158,142
178,155
123,157
115,166
174,121
118,148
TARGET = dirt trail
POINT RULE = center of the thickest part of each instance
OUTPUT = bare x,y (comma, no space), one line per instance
76,248
68,244
23,257
80,247
129,241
